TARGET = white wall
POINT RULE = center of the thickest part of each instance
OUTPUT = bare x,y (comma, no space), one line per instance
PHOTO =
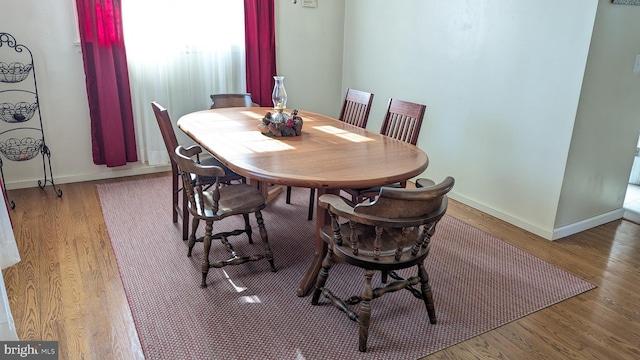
501,80
608,121
309,44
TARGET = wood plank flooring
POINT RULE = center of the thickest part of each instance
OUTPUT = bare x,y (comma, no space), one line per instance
67,286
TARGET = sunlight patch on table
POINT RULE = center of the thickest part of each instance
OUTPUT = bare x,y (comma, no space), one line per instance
342,133
247,142
268,146
252,114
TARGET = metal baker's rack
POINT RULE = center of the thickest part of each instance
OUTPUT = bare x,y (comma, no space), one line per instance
21,136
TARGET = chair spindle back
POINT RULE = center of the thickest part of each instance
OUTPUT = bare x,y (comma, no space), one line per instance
356,107
403,120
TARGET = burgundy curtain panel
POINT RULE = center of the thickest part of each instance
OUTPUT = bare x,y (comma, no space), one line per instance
107,80
260,44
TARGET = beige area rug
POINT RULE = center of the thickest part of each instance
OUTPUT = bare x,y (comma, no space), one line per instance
248,312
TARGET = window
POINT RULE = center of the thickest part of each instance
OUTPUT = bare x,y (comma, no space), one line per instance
179,53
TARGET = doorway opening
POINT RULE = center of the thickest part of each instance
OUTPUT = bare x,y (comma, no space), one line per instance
632,198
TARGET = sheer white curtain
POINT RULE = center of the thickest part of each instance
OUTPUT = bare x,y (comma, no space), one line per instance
179,53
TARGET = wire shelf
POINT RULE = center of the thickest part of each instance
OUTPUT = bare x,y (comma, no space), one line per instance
17,113
14,72
21,149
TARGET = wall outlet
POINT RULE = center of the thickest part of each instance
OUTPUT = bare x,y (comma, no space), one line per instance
636,66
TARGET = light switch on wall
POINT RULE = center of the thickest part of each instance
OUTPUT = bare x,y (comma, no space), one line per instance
636,66
310,3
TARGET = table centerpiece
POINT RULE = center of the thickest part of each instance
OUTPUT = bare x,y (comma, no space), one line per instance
281,124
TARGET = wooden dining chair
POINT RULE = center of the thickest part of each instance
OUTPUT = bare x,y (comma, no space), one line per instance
171,142
356,107
231,100
355,111
217,203
391,233
402,121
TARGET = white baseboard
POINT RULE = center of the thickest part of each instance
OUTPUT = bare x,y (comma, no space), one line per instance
503,216
632,216
554,234
106,173
587,224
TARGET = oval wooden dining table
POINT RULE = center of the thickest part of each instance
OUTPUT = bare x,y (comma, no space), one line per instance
329,155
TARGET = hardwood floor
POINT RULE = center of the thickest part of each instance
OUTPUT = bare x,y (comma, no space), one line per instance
67,286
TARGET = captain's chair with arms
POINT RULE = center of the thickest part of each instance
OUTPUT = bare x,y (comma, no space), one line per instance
217,203
392,233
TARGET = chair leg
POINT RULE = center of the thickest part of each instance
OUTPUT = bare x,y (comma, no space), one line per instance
288,198
312,198
427,294
185,216
192,238
205,256
323,274
247,227
174,196
265,240
384,276
364,315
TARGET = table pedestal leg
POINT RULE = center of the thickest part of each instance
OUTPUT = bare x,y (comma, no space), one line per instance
270,192
320,247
